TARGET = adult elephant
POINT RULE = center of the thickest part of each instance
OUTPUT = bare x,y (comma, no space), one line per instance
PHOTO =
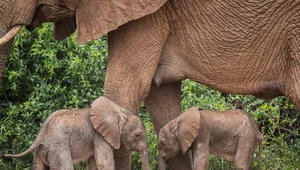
237,46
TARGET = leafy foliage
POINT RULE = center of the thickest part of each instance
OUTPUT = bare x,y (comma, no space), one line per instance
43,75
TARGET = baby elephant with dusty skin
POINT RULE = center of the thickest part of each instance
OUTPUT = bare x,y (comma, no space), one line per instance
69,136
231,135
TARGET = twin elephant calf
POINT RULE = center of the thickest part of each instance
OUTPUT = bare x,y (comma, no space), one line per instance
69,136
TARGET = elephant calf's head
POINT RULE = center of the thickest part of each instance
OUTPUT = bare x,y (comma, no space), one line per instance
133,134
178,135
120,127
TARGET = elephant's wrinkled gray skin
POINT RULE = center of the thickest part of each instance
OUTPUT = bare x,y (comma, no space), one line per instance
237,47
231,135
69,136
13,13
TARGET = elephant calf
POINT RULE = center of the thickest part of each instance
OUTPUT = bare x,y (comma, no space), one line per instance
69,136
231,135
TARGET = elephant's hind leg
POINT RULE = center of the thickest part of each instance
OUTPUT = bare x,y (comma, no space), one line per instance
164,104
38,164
59,157
243,158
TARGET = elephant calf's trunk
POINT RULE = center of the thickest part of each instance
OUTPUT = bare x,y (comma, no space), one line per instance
145,159
161,162
8,36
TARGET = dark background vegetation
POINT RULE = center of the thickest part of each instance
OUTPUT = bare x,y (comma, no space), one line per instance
43,75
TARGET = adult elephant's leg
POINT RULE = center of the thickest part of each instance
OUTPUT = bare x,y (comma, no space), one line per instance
134,51
292,82
163,104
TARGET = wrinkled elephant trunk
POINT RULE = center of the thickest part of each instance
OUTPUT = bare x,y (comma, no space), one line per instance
145,159
161,162
5,44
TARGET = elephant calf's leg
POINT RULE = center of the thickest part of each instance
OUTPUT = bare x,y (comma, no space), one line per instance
59,157
92,163
103,154
180,162
243,159
38,164
164,104
122,158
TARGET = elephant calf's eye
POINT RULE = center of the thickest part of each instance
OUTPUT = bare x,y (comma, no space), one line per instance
162,143
137,135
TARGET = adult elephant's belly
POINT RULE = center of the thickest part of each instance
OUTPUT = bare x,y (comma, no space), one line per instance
240,78
256,71
227,51
230,72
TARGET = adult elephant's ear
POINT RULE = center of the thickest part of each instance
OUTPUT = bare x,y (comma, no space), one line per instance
63,28
187,128
109,124
94,18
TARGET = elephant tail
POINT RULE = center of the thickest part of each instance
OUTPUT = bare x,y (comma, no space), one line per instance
37,142
32,147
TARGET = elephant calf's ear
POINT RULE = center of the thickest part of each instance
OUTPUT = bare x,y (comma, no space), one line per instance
107,124
188,128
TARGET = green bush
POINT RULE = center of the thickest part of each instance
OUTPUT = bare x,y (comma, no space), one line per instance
43,75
